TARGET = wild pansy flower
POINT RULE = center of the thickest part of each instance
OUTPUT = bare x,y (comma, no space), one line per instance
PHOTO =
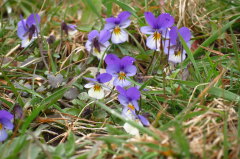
120,69
28,29
158,28
96,85
98,42
117,25
129,98
69,29
5,124
174,47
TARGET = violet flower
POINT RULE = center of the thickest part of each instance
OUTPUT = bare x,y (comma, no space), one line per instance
117,25
69,29
158,28
5,124
96,85
174,47
129,98
98,42
28,29
120,69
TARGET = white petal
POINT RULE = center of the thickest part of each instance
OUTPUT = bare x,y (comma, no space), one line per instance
151,43
89,85
120,37
96,94
72,32
26,42
129,115
122,82
102,51
130,129
177,59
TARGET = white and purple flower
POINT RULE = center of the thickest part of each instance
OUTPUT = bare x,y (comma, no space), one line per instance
129,99
69,29
5,124
116,25
158,28
173,47
28,29
97,86
98,43
120,69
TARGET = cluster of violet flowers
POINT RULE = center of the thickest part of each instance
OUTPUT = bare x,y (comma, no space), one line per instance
163,36
118,70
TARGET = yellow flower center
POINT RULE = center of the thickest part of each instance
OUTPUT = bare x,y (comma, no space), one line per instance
96,50
156,36
97,87
117,30
130,106
177,53
1,126
121,75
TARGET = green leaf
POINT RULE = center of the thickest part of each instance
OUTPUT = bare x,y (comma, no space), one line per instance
70,145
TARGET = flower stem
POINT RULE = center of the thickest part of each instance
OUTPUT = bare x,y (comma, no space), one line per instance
154,54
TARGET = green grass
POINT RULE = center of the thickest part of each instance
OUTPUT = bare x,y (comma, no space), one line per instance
193,118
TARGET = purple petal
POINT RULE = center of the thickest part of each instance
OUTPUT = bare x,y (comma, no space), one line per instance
185,33
123,100
121,90
104,77
92,35
3,135
21,30
90,79
165,20
127,60
111,59
122,83
123,16
7,124
151,20
33,19
113,69
133,93
130,70
143,120
168,47
135,104
125,24
147,30
5,115
111,20
104,36
109,26
173,34
71,27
